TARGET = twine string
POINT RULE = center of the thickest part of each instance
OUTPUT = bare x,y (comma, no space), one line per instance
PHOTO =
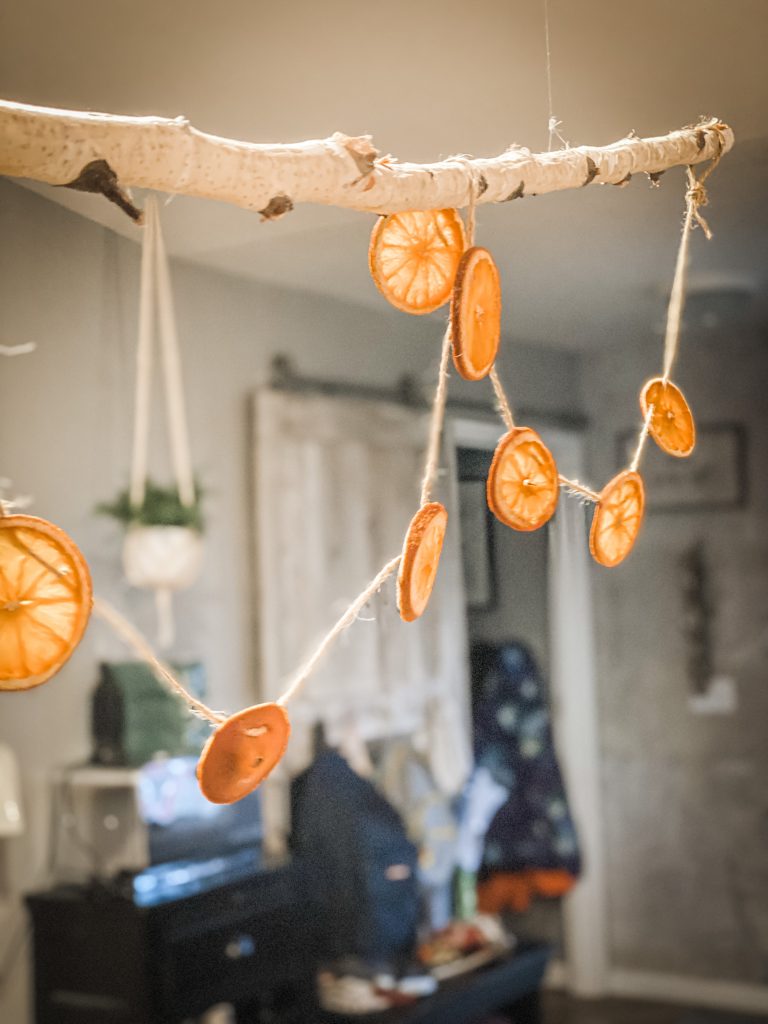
133,639
677,294
431,466
553,125
502,402
581,490
641,439
346,620
437,417
695,198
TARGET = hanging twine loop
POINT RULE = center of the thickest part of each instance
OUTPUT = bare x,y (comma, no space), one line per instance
160,558
156,301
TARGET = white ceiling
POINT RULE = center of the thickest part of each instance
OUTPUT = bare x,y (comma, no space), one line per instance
429,79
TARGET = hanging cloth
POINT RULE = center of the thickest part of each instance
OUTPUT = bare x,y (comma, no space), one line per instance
160,558
531,848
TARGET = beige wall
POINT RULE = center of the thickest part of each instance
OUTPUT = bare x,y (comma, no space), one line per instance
685,796
65,415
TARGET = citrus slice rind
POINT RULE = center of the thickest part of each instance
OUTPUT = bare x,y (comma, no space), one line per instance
242,752
523,485
413,258
617,519
476,314
420,560
45,600
671,425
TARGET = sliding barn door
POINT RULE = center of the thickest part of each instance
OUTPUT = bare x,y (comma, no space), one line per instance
337,481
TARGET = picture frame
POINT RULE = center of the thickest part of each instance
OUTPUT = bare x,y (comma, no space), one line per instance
713,477
477,545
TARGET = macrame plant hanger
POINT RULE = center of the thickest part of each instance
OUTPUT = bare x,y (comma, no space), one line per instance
162,558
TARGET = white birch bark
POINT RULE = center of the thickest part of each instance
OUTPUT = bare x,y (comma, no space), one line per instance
54,146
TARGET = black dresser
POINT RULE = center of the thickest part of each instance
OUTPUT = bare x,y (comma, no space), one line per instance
101,957
106,956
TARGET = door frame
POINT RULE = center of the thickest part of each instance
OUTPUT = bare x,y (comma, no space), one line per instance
575,707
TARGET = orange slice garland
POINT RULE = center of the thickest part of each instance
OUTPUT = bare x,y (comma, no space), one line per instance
420,559
617,520
413,257
242,752
523,485
45,600
476,314
671,425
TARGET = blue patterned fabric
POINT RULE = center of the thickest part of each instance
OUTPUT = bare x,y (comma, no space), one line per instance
513,741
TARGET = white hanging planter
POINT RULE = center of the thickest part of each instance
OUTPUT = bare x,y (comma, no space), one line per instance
162,557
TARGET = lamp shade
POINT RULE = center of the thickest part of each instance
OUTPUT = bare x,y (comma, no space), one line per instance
11,817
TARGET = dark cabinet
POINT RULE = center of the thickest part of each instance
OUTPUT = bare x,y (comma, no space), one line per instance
101,959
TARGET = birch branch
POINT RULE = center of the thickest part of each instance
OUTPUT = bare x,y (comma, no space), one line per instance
63,147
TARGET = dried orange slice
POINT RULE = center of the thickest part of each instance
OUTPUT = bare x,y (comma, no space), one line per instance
45,600
671,425
413,257
420,559
476,314
523,486
242,752
617,520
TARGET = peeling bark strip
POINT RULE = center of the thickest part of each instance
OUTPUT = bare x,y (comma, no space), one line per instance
54,146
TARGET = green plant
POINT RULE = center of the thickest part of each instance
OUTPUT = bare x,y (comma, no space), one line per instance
161,507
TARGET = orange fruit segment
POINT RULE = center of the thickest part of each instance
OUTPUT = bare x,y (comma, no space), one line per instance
420,559
617,519
45,600
671,425
242,752
476,314
413,257
523,485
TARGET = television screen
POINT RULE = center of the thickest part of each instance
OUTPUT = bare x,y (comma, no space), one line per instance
182,824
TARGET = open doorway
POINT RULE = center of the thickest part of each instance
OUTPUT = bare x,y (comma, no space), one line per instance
506,589
533,589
